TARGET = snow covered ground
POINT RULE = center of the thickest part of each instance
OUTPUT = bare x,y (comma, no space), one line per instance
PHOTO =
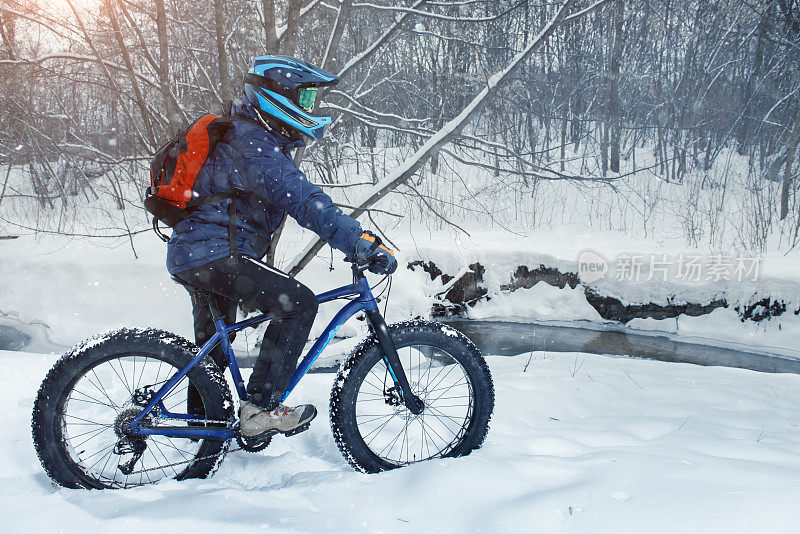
578,443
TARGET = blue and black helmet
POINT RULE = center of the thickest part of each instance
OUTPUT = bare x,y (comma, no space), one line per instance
284,89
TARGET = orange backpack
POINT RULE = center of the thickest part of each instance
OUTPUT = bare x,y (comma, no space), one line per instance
171,196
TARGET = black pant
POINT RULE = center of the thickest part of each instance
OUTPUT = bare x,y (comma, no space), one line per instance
263,287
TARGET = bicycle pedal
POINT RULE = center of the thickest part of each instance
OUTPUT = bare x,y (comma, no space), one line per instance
297,430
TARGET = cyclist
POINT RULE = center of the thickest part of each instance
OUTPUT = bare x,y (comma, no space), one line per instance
254,157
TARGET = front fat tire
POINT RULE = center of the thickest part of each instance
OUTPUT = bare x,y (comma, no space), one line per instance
354,369
46,419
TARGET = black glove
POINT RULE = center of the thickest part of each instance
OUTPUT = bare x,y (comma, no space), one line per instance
381,259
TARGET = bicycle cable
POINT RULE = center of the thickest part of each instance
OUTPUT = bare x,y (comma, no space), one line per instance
376,297
388,293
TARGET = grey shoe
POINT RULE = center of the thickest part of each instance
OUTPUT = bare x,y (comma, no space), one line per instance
255,420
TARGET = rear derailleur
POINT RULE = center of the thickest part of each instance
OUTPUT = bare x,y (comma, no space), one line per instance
130,445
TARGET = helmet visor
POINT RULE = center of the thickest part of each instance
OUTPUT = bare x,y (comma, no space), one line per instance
306,98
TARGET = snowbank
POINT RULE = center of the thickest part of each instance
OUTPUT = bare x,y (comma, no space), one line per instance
542,302
778,280
578,443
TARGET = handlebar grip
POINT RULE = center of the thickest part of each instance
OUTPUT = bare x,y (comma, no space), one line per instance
358,265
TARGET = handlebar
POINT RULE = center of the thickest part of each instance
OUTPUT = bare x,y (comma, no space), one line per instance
358,266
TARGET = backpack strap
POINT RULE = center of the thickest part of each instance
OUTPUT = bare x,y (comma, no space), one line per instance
233,194
232,220
163,237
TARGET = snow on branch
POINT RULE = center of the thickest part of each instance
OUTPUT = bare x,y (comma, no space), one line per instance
281,29
450,130
369,111
438,16
377,43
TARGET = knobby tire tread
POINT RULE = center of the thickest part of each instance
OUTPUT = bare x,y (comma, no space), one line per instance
345,388
206,376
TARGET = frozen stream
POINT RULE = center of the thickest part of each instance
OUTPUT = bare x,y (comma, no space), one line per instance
512,338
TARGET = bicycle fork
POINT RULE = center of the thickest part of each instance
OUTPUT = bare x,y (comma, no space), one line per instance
412,402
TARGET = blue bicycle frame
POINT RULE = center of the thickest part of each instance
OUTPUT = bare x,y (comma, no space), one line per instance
364,301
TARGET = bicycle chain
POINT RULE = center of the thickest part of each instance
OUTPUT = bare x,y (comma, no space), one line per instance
182,462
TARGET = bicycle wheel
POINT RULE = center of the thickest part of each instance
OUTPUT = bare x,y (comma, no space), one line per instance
373,428
93,392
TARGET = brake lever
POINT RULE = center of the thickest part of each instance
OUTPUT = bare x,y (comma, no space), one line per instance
358,265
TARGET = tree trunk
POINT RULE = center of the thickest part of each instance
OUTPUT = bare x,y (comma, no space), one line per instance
791,149
270,36
289,37
332,49
222,54
273,244
137,93
173,116
758,59
603,125
614,105
7,30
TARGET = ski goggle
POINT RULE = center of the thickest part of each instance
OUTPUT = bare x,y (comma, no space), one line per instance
306,98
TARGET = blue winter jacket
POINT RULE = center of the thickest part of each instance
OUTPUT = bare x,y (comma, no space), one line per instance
256,160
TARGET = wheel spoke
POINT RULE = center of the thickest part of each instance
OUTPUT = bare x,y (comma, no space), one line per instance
462,381
452,367
122,378
107,457
86,421
165,459
101,389
92,400
175,391
98,452
101,430
391,443
393,433
141,374
98,430
86,418
429,427
440,414
374,419
378,429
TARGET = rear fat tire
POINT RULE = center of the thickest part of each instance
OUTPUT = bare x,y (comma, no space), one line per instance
157,344
356,367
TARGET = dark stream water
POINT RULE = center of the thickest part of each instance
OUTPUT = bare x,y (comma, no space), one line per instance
13,339
510,338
